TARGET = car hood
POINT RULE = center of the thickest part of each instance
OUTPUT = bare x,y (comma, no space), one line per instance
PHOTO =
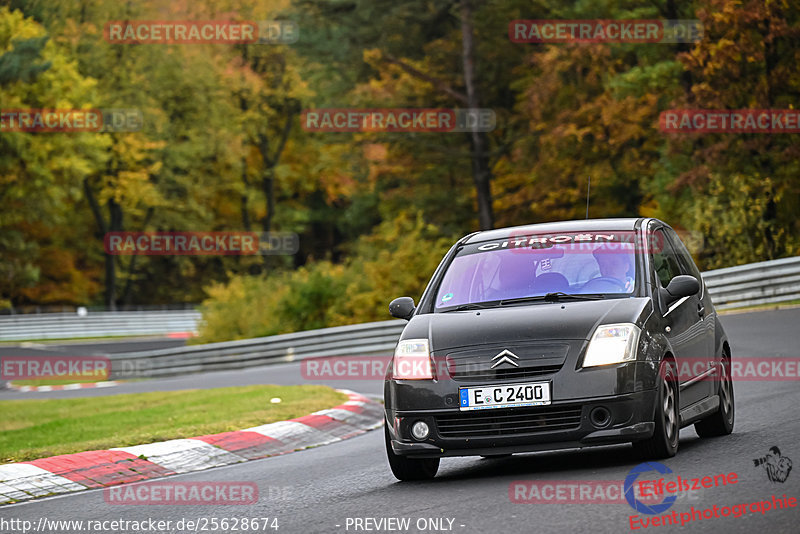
524,323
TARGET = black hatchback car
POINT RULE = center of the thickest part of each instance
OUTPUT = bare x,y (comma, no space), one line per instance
557,335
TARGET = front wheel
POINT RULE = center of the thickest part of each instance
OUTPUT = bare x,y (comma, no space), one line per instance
404,468
720,423
664,442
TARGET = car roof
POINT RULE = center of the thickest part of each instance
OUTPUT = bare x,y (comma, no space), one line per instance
579,225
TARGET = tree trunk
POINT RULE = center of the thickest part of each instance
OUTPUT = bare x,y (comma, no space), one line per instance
244,198
268,187
268,174
131,273
481,173
267,181
115,225
115,222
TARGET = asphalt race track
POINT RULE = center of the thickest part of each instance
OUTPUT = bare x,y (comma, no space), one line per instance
327,488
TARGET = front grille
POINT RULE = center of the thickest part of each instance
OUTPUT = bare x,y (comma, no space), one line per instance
502,422
527,360
507,374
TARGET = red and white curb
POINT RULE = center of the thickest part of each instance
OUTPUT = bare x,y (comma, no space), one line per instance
94,469
65,387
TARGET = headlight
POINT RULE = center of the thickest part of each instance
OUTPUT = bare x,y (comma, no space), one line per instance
612,343
412,360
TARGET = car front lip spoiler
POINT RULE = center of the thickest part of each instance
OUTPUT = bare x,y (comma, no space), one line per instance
611,436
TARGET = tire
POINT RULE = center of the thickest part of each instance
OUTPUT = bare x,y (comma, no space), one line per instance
720,423
404,468
664,441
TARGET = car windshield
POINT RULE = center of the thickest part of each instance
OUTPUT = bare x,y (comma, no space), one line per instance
535,265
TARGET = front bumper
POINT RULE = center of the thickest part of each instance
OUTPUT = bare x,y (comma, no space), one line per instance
564,424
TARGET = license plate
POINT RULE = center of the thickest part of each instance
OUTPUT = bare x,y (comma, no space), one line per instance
505,396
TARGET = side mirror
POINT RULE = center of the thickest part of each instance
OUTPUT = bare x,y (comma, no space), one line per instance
402,308
681,286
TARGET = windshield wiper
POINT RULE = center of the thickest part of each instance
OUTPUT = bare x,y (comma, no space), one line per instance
474,306
582,296
549,297
554,297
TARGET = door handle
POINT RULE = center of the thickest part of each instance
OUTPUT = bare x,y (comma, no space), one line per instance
700,309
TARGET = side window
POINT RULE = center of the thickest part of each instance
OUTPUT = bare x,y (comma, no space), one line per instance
665,260
687,263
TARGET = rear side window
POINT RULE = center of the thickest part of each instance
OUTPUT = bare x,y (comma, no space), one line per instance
665,259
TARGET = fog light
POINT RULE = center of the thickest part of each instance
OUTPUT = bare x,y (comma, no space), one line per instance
420,430
600,417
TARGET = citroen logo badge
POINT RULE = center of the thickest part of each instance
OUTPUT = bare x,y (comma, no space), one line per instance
505,356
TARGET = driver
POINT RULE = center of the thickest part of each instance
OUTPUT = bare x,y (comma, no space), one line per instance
614,264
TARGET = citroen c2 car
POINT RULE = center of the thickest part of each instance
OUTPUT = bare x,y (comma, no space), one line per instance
552,336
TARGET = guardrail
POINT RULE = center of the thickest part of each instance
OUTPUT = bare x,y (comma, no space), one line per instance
765,282
757,283
97,324
361,339
745,285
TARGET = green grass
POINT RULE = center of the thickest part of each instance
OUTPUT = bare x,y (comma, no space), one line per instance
31,429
